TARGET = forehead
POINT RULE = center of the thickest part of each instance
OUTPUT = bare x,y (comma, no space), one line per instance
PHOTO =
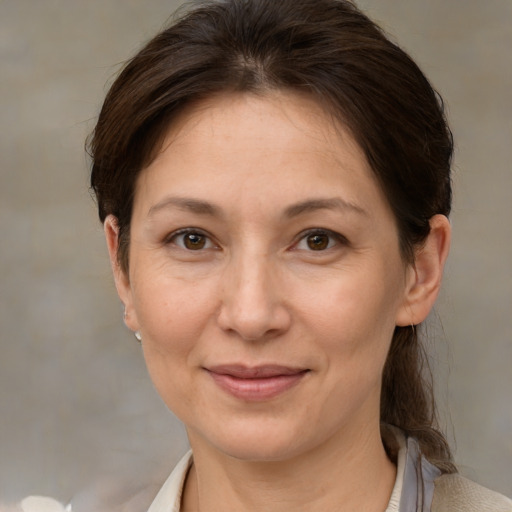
264,143
263,121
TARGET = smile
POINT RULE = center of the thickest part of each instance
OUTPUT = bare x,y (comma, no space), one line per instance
258,383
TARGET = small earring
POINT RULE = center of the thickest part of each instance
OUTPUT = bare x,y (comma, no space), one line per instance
135,333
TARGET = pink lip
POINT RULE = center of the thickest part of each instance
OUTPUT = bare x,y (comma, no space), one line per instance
257,383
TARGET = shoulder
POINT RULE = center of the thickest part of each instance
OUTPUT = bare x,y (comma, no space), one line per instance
454,493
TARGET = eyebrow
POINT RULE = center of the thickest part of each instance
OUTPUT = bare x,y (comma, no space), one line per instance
201,207
312,205
188,204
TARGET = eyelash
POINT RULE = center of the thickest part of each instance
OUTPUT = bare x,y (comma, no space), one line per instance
333,239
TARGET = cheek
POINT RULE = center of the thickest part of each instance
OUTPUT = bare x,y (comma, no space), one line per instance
173,321
354,316
173,316
354,303
169,306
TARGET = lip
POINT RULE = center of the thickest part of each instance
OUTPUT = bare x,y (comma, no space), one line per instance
257,383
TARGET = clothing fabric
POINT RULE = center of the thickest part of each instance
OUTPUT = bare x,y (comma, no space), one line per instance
419,487
415,476
169,497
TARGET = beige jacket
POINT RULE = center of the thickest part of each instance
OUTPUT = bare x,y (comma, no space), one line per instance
454,493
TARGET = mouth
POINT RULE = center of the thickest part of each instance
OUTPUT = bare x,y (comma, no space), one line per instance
258,383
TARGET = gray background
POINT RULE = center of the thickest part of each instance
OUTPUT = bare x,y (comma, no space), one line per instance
75,403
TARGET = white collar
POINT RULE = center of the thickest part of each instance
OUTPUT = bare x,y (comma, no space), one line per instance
168,498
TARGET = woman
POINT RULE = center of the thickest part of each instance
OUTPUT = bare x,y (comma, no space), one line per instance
274,183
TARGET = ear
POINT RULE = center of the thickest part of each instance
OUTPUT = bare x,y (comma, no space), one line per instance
121,278
425,274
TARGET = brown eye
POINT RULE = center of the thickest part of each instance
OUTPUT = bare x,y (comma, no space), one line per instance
194,241
191,240
318,241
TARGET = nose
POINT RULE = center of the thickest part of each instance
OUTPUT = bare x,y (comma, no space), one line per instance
253,305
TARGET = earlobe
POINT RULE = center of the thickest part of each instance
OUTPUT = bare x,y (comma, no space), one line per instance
121,278
425,275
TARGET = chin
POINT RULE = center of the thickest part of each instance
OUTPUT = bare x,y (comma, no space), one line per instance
264,452
256,442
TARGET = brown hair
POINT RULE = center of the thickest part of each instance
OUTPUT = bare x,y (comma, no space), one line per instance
332,51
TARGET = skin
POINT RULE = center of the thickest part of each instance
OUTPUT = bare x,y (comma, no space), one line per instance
291,258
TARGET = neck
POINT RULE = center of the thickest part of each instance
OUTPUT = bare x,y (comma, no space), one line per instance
349,472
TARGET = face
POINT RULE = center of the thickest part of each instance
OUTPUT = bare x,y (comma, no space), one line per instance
265,277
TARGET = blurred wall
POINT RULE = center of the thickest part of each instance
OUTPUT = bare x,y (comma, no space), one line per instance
75,402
